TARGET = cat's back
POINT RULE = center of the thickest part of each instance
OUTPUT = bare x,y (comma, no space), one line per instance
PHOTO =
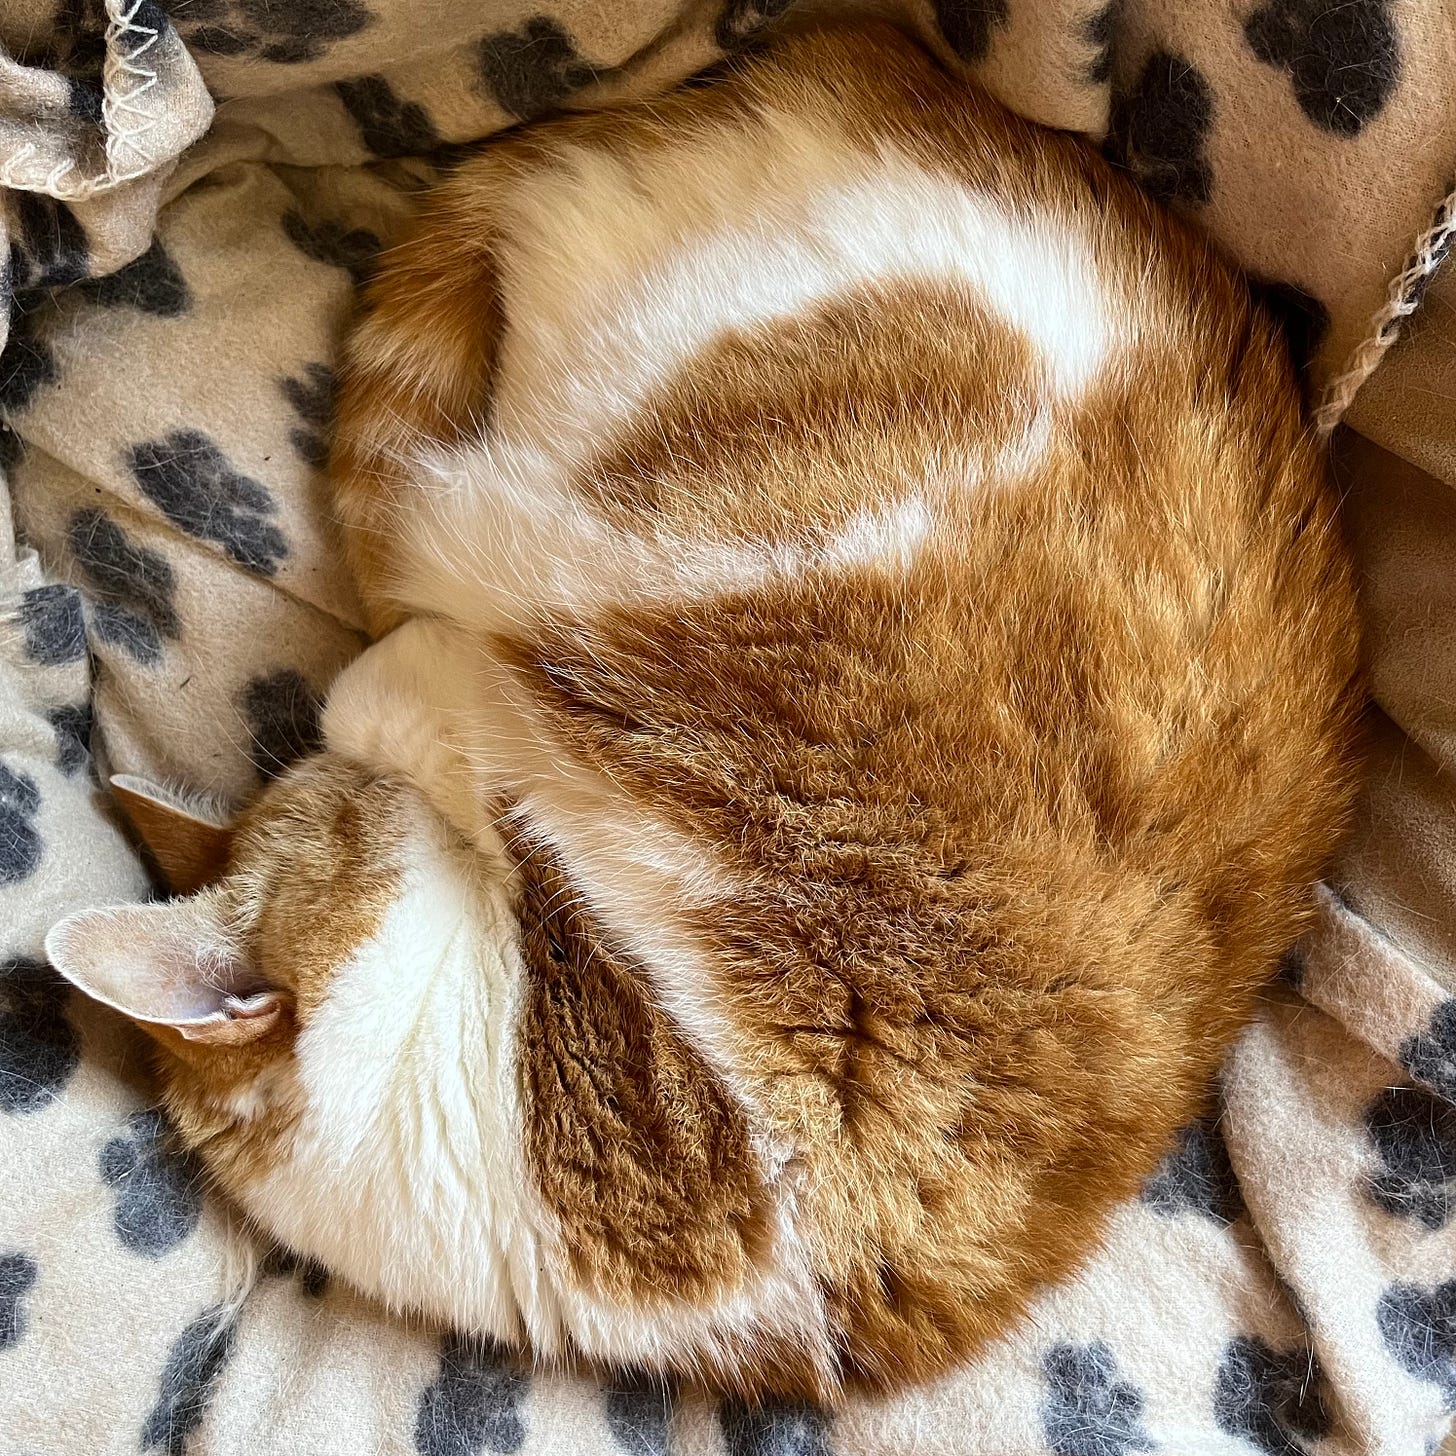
919,649
843,168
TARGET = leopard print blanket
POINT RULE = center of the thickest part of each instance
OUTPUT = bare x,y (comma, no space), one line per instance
169,605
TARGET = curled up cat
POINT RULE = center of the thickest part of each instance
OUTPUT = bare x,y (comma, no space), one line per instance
866,687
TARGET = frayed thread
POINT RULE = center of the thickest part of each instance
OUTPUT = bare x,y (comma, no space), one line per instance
1403,298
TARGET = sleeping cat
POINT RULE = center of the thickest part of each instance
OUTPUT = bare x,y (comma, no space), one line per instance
870,691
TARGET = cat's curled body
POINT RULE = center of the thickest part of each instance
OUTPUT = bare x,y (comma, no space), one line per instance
875,693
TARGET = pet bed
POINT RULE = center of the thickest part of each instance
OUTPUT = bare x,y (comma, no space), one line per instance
172,604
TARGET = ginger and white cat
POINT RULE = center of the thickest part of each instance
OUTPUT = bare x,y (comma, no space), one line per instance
872,687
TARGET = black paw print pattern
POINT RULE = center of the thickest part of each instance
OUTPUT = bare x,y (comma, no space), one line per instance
1430,1055
158,1188
1342,60
21,845
639,1415
1196,1177
50,250
390,126
1419,1329
741,20
534,69
313,1278
1160,129
301,30
151,284
331,243
1274,1399
1099,30
39,1049
201,492
473,1403
778,1428
52,625
27,365
189,1378
1089,1409
72,724
131,587
967,25
1415,1134
18,1273
282,714
312,396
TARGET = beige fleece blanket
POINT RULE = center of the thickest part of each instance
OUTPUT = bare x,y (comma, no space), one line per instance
171,604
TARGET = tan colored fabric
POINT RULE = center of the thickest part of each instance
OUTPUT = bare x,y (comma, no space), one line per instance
1286,1283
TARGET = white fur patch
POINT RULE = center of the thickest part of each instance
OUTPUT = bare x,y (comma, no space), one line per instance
409,1065
617,275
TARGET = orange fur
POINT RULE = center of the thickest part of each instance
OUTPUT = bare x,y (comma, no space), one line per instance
1007,818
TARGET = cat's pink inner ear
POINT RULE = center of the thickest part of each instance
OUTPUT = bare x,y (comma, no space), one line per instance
189,841
174,965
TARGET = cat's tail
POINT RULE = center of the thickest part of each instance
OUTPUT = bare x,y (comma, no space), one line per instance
417,367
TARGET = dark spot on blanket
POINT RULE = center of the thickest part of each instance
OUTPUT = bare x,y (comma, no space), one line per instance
1342,60
71,723
1099,30
18,1273
288,34
84,100
189,1378
78,47
639,1414
1291,969
390,126
1415,1134
1303,319
778,1428
1160,129
740,20
1196,1177
27,364
50,250
473,1403
12,448
331,243
312,396
21,846
967,25
52,625
1430,1055
1419,1329
200,491
131,587
1089,1410
39,1049
281,1263
534,69
151,283
1274,1399
282,714
158,1186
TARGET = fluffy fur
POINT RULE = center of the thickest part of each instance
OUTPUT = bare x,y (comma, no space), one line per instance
876,689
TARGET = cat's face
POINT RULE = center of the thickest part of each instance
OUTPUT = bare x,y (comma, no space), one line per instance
263,989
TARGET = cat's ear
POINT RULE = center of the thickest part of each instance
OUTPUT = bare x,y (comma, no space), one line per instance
188,840
171,967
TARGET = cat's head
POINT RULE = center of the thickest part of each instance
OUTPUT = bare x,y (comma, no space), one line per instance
272,904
